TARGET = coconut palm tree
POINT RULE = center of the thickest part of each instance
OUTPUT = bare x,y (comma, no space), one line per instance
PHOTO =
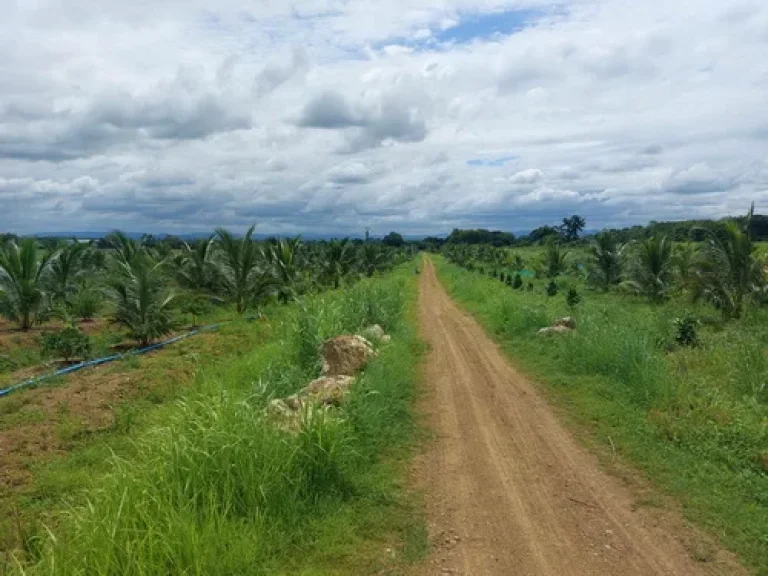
65,269
143,301
23,268
650,273
125,248
728,273
243,277
518,263
196,267
684,260
338,261
370,258
606,260
284,256
555,260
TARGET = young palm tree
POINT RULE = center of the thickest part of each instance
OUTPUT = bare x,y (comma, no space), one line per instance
23,268
606,255
684,259
518,263
371,257
143,301
651,272
728,273
243,278
338,261
284,255
125,248
554,260
65,269
196,267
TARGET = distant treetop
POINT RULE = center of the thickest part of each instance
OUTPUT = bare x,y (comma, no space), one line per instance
481,236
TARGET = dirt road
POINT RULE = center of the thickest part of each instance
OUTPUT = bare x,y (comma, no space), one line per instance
509,492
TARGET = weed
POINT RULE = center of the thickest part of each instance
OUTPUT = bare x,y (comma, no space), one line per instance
552,288
686,330
572,297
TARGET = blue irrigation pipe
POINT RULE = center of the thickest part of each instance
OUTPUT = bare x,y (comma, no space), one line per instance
90,363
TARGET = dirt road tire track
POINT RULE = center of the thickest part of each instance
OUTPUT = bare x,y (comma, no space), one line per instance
508,491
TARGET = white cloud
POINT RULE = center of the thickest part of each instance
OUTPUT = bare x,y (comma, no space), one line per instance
326,116
528,176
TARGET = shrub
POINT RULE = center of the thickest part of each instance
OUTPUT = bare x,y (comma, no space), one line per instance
69,342
552,288
194,306
572,297
86,303
686,330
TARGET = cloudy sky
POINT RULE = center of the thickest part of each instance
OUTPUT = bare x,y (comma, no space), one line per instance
330,116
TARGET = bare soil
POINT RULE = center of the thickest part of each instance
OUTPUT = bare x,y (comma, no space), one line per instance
508,489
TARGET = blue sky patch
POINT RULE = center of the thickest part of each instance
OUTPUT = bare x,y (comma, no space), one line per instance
471,26
474,26
490,162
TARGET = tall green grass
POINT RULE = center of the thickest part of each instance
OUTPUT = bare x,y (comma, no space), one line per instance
217,488
694,419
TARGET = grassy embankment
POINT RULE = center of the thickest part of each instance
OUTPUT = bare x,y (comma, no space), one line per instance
209,485
695,420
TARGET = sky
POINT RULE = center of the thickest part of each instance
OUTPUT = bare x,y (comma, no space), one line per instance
333,116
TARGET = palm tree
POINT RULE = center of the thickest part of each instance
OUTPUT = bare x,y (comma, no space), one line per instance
143,302
684,261
284,255
554,260
22,273
651,272
65,269
728,273
196,266
518,263
371,257
125,248
338,261
243,279
606,255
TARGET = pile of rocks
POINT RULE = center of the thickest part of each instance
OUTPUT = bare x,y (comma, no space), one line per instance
344,357
561,326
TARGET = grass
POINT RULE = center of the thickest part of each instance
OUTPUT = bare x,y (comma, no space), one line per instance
211,486
695,420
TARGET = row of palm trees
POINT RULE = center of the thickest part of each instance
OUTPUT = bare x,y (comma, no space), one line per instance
724,269
143,283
